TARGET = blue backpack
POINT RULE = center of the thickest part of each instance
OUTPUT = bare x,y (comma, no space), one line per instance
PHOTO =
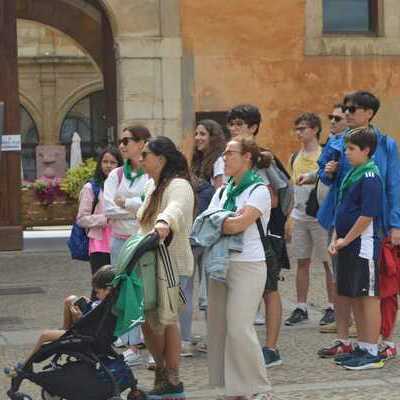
78,241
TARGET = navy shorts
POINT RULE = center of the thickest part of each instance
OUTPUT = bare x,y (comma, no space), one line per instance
356,276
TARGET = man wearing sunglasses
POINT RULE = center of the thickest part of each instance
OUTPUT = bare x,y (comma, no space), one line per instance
360,108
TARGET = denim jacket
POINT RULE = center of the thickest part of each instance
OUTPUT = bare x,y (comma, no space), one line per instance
207,233
386,158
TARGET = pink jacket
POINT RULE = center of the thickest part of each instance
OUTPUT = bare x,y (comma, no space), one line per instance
93,222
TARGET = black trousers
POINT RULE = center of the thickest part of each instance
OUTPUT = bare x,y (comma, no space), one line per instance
98,260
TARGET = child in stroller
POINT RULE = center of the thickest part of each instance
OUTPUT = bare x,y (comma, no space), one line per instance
101,284
83,365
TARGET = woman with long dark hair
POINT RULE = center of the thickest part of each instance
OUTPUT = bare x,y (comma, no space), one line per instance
94,219
168,209
209,144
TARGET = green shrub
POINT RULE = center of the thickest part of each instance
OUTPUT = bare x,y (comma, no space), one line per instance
76,177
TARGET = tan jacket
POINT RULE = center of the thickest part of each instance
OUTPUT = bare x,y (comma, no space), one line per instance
177,206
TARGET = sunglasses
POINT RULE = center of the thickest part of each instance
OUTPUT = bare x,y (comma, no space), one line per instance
337,118
125,141
300,128
352,109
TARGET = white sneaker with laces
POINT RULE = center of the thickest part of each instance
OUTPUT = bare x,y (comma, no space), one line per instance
186,349
132,357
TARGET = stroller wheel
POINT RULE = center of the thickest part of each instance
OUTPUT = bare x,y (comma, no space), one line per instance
19,396
48,396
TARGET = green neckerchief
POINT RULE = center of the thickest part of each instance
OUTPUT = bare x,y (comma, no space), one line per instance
129,306
233,191
355,174
130,174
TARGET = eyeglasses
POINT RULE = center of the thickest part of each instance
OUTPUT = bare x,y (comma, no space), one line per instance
125,141
300,128
239,123
352,109
337,118
229,153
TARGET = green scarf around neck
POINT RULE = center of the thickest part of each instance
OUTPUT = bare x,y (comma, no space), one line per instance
130,174
232,191
355,174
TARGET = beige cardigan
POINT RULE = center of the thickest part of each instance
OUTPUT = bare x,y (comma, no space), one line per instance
176,209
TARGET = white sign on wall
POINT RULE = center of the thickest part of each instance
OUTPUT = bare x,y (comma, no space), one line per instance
11,143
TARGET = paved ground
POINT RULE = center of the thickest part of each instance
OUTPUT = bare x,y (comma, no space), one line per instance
34,283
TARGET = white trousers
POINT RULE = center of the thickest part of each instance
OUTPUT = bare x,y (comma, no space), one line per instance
235,359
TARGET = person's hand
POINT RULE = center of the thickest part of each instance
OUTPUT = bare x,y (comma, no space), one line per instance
162,229
340,243
303,179
395,236
332,249
331,167
288,231
119,201
76,313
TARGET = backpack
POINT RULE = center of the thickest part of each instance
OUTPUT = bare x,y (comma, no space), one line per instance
280,182
78,242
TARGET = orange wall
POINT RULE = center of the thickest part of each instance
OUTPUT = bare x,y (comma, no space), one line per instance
253,52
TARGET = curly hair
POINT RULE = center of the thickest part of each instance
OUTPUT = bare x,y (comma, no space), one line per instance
203,161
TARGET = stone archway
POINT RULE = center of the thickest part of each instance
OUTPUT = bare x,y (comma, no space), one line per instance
86,21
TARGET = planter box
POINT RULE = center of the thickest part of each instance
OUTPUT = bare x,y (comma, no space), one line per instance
61,212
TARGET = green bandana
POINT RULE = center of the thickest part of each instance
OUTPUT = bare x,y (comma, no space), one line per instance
232,191
355,174
130,174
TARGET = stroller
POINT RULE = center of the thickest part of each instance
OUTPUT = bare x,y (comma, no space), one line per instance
82,364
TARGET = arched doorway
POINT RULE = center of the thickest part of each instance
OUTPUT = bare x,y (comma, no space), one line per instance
87,23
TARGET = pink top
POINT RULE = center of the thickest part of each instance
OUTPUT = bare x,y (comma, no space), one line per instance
98,231
103,245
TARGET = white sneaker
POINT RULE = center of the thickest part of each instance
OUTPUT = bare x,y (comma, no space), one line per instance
186,349
119,343
132,357
150,363
260,320
202,347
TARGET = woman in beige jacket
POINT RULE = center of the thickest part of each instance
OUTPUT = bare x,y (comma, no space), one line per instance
168,209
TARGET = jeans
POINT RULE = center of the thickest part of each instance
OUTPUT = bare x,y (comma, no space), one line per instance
185,317
116,245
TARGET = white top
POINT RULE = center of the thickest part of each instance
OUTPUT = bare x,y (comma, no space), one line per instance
218,169
123,220
260,199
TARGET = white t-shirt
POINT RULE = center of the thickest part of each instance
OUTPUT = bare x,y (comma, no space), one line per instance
261,200
218,169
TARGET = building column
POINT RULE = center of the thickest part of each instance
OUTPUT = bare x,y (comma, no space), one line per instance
10,164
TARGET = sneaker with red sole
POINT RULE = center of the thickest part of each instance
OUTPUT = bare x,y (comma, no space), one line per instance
387,352
337,348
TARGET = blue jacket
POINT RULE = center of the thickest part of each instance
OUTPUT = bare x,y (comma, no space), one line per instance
386,158
207,233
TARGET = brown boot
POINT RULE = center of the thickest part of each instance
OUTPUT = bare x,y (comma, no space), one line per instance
160,377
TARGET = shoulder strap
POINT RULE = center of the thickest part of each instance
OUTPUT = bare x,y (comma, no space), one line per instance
293,158
96,191
221,192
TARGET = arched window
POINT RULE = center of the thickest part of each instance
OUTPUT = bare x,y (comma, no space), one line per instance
30,139
87,118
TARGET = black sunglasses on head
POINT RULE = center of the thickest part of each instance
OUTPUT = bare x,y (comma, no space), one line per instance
337,118
352,109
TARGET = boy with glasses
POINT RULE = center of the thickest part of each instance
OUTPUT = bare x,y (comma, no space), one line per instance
360,108
308,236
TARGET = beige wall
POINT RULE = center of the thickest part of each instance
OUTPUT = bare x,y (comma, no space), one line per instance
258,54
